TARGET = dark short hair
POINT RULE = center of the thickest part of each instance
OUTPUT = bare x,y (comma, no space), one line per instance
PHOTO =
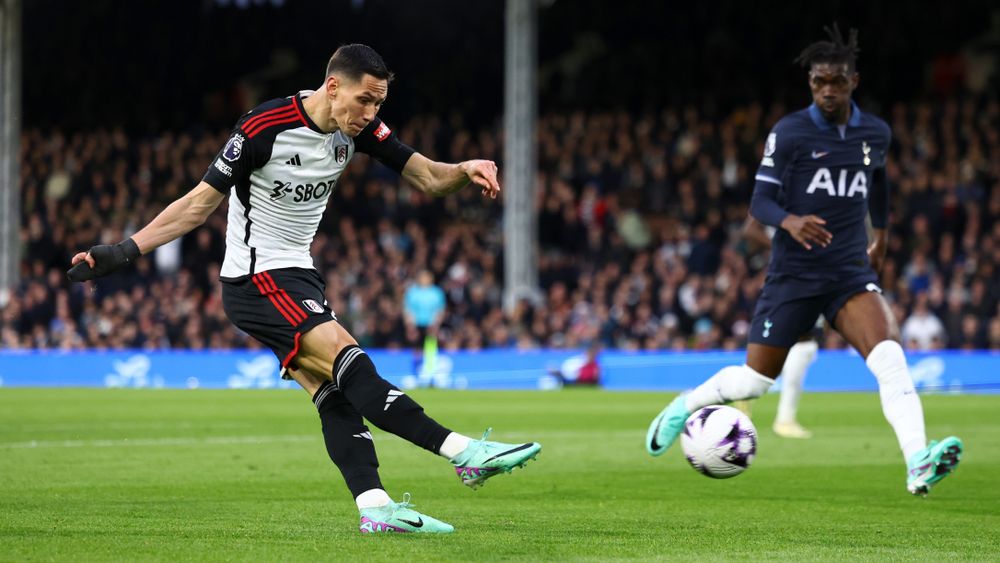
834,51
356,60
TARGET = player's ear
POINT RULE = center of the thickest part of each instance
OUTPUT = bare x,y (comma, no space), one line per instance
855,80
332,84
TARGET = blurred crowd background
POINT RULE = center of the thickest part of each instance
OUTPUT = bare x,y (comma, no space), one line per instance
640,231
641,202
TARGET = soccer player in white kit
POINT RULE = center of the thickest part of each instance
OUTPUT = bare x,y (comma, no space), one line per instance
280,165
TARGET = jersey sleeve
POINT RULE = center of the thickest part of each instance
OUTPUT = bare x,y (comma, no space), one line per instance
240,156
878,201
885,147
380,142
778,150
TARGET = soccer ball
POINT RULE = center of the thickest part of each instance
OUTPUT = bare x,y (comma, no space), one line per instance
719,441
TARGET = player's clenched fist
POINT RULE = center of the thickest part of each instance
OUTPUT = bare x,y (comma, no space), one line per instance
102,259
807,230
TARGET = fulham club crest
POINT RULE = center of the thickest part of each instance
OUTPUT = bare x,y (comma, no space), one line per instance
340,153
312,305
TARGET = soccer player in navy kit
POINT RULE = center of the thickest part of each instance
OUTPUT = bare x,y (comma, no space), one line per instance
280,165
827,162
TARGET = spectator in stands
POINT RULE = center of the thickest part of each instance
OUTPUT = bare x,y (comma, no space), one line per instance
922,330
583,370
423,309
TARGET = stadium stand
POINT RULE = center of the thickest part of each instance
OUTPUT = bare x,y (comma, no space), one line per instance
639,229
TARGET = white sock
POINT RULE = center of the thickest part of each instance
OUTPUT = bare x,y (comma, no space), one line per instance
731,383
372,498
792,377
453,445
900,401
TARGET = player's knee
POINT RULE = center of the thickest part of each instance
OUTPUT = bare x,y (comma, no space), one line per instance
308,379
354,372
766,360
352,367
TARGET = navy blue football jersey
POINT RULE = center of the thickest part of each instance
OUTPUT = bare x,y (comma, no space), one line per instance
825,170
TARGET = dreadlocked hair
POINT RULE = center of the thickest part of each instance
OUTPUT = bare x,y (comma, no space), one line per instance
835,51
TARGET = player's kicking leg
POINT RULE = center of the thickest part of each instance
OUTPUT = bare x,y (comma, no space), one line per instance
388,408
866,323
732,383
351,448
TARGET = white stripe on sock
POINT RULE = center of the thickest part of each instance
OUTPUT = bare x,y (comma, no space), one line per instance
322,394
346,361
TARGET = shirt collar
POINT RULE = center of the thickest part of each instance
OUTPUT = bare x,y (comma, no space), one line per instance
297,101
823,124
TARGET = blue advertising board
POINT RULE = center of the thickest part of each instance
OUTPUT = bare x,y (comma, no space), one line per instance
954,371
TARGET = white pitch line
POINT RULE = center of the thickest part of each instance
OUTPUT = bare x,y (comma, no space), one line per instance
296,438
147,442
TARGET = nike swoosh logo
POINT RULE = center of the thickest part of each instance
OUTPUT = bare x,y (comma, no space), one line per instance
816,155
510,451
653,442
418,524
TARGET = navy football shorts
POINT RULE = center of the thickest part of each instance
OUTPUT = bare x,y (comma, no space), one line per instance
277,307
789,305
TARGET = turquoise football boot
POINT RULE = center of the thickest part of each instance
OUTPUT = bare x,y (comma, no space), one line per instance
483,459
931,464
400,517
666,427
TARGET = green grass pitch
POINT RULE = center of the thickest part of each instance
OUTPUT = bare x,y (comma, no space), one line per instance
243,476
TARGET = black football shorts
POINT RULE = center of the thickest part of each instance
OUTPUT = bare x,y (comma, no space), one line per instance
277,307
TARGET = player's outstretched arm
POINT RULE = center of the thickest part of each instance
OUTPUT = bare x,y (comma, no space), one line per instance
439,178
179,218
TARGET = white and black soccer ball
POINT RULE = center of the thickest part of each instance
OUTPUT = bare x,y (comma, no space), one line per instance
719,441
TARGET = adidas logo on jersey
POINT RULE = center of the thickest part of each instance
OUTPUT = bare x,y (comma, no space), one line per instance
294,161
392,396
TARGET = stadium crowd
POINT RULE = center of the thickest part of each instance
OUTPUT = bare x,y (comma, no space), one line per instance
639,221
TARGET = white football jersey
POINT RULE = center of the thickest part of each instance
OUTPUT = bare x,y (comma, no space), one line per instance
280,169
